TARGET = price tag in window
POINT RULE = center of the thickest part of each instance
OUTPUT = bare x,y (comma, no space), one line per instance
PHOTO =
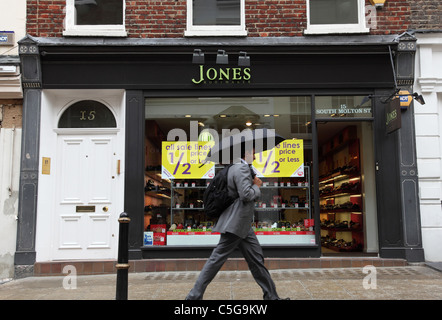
284,160
184,160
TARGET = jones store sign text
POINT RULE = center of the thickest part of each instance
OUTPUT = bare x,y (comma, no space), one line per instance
222,75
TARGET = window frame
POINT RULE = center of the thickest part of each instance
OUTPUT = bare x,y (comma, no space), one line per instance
359,27
111,30
220,30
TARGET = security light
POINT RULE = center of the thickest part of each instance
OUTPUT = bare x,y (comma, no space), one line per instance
419,98
198,56
243,59
222,57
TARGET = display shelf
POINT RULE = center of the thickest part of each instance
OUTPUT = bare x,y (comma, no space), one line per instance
264,237
287,191
340,193
156,194
281,208
337,229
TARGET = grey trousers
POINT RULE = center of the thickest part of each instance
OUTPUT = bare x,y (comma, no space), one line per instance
252,252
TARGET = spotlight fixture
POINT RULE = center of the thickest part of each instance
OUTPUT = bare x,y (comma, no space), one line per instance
222,57
198,56
243,59
419,98
398,92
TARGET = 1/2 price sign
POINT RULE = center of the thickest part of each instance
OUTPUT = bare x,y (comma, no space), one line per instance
183,160
284,160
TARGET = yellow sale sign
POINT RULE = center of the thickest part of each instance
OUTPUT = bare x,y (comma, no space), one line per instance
284,160
184,160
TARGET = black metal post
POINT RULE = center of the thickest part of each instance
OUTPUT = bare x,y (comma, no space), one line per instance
123,255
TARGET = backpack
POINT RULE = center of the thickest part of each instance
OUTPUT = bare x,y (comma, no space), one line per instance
216,197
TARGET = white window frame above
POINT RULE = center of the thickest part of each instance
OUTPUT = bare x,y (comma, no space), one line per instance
204,31
359,27
71,29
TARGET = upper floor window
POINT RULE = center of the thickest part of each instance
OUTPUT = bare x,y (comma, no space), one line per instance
95,18
215,18
335,16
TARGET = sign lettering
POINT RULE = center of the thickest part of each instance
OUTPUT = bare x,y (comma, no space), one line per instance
393,119
90,116
222,75
184,160
284,160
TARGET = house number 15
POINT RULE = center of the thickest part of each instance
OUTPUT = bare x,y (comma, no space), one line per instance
87,116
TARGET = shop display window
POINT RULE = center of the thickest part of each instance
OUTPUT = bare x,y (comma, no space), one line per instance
174,211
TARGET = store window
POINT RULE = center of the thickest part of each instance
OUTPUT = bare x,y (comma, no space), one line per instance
95,18
335,16
174,211
215,18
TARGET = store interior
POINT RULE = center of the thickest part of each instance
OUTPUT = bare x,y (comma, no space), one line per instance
347,196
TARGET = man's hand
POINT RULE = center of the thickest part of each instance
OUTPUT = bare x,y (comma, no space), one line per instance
257,181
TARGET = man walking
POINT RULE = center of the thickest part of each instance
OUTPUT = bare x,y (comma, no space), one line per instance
235,227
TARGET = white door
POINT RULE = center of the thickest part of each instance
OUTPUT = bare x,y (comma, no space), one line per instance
86,221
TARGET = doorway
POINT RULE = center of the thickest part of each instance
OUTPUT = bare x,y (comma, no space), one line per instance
85,218
347,192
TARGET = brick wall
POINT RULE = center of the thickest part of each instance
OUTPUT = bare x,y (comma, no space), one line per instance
393,18
264,18
426,14
45,17
11,111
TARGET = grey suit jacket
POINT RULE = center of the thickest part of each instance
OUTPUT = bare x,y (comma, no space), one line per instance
237,218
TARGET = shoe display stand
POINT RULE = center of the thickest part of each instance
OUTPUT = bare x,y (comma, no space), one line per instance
282,215
340,194
157,191
174,212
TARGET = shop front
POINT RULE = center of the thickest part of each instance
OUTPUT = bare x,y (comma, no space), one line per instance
153,108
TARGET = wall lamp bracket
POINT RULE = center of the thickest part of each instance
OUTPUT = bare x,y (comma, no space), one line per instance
243,59
198,56
222,57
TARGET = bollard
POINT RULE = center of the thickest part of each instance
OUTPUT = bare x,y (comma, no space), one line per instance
122,265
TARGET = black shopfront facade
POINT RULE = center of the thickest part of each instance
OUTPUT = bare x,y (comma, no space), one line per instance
156,73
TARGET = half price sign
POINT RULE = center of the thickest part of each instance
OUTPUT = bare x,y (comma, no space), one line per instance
184,160
284,160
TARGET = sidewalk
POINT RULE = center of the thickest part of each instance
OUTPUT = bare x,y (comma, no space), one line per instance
385,283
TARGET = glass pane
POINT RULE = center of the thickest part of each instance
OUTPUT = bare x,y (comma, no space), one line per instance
333,11
174,211
99,12
216,12
87,114
336,107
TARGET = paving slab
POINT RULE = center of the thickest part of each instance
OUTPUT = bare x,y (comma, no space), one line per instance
381,283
